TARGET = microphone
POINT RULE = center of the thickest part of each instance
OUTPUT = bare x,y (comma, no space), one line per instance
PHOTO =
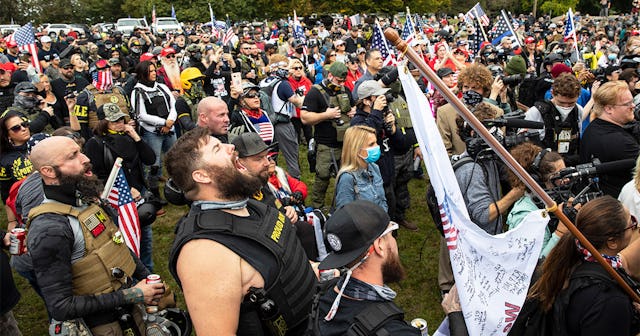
601,168
513,123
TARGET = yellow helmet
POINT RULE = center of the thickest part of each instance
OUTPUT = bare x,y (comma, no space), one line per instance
189,74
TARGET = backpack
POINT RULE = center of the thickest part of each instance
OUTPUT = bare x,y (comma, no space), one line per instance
266,102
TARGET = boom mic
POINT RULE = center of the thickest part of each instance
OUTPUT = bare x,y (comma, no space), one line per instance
513,123
602,168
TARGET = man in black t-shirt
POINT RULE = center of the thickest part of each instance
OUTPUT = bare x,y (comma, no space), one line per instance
354,41
328,107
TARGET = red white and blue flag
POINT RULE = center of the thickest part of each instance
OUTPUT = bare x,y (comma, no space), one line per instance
298,31
477,11
492,272
120,199
25,39
569,28
409,30
378,41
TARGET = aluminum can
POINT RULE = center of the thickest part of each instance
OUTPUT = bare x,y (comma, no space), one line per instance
420,324
18,239
153,279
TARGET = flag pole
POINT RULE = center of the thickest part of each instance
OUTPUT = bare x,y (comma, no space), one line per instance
112,178
507,19
575,36
516,168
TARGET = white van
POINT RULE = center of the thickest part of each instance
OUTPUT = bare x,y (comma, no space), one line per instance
164,25
126,25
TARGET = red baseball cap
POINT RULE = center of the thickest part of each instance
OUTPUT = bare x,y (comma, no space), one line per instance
529,40
9,66
12,44
167,51
147,56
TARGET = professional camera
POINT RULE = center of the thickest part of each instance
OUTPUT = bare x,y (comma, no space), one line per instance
599,74
513,80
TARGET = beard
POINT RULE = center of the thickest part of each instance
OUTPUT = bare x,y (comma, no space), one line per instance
233,184
392,270
89,187
172,69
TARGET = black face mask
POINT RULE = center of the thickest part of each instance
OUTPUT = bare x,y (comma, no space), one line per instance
299,50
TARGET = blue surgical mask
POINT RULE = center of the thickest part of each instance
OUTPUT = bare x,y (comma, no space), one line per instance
373,154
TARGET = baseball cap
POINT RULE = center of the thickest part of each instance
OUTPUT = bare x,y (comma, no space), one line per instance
12,44
250,144
147,56
114,61
371,88
529,39
338,42
167,51
65,62
552,26
351,230
45,39
559,69
25,87
248,86
111,111
338,69
361,51
9,66
444,72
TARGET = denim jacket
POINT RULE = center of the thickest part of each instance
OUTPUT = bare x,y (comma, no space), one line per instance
361,184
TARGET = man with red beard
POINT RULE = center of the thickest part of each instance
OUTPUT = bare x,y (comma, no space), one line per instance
169,72
245,251
82,265
361,237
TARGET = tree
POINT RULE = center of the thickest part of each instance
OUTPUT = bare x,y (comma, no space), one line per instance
557,7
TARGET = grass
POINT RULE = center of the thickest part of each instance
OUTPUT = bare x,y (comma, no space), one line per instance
418,294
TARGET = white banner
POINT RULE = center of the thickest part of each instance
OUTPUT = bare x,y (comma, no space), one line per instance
492,273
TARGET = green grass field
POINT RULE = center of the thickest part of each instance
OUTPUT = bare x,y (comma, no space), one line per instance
418,294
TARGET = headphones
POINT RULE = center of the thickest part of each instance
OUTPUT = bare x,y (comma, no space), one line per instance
535,166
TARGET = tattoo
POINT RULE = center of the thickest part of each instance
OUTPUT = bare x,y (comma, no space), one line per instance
133,295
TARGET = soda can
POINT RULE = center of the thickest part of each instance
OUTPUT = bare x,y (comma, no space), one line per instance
153,279
18,239
420,324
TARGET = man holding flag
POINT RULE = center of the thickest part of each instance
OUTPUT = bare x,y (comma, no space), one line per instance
82,264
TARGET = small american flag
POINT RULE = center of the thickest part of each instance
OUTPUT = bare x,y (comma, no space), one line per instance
228,36
25,39
378,41
476,11
120,199
569,29
409,30
298,31
102,80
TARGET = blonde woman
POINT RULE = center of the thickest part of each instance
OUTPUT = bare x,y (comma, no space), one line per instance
359,176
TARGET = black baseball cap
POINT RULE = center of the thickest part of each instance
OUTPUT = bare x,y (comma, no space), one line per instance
250,144
351,230
444,72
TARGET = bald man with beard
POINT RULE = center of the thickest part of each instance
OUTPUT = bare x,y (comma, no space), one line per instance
169,72
67,231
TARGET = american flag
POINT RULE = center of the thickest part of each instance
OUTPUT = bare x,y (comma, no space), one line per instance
378,41
409,30
500,29
102,80
120,199
476,39
173,12
476,11
214,31
26,40
298,31
569,28
228,36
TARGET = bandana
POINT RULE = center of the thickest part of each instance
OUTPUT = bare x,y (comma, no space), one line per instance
471,98
614,261
102,80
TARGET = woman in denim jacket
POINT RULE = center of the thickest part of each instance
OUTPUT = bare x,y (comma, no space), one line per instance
359,177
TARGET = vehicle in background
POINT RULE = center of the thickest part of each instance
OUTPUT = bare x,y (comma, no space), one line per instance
58,28
8,28
81,28
105,27
126,25
164,25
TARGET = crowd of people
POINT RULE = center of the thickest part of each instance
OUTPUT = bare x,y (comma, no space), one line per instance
227,121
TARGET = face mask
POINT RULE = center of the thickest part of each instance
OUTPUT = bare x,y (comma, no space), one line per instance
332,86
26,101
471,98
564,111
282,73
613,57
135,50
373,154
299,50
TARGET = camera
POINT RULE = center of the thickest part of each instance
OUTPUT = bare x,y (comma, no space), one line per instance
513,80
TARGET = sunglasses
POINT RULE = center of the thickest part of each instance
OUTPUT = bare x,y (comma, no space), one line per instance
74,135
170,56
251,95
68,67
297,68
19,127
332,55
634,224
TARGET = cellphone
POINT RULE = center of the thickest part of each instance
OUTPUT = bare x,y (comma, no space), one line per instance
225,49
236,79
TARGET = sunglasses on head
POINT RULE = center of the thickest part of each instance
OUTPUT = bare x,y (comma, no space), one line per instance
19,127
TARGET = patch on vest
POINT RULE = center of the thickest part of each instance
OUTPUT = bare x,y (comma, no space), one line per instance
95,223
114,99
277,230
334,242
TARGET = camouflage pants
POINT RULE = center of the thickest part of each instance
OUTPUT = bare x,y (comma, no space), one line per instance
326,157
403,174
9,325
